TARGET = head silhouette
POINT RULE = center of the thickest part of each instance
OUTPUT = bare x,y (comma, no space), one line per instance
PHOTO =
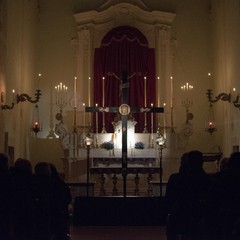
195,160
234,162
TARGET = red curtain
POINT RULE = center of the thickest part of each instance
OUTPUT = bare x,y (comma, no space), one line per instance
124,49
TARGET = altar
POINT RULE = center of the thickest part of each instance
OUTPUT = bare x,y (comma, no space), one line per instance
105,164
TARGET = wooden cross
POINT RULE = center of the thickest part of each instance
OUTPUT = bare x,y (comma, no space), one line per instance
124,109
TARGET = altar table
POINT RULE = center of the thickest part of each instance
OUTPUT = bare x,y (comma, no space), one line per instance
96,161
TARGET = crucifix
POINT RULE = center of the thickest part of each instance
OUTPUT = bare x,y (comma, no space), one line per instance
124,109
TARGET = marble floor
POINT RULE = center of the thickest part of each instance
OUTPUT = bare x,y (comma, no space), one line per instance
118,233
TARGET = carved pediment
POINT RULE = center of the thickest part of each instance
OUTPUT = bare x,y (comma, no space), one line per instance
121,12
138,3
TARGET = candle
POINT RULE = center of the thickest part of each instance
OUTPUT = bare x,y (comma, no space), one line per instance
96,120
164,116
75,92
35,125
158,81
234,95
64,94
145,91
39,75
84,116
171,99
13,95
89,102
60,91
103,91
151,117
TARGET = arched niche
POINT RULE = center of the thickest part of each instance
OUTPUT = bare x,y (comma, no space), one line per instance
93,25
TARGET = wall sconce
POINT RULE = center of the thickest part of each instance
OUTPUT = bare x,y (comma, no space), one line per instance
87,143
5,106
23,97
221,96
211,128
236,102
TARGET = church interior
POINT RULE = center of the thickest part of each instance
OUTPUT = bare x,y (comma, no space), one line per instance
99,86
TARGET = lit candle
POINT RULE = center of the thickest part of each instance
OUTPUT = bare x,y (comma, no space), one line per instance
39,75
84,116
151,117
158,80
96,120
234,94
145,91
75,92
35,125
210,124
60,92
64,94
89,103
13,95
103,91
164,116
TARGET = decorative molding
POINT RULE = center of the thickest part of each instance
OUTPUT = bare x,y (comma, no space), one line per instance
138,3
127,9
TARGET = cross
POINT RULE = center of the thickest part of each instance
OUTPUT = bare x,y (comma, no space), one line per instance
124,109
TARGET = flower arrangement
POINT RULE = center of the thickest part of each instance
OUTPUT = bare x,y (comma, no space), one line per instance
139,145
107,145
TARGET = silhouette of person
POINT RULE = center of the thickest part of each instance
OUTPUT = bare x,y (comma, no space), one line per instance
222,214
44,201
23,200
5,198
62,200
190,194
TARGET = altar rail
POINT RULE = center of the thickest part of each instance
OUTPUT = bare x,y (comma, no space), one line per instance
130,170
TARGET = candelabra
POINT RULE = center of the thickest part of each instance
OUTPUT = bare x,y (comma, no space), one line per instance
60,99
187,104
